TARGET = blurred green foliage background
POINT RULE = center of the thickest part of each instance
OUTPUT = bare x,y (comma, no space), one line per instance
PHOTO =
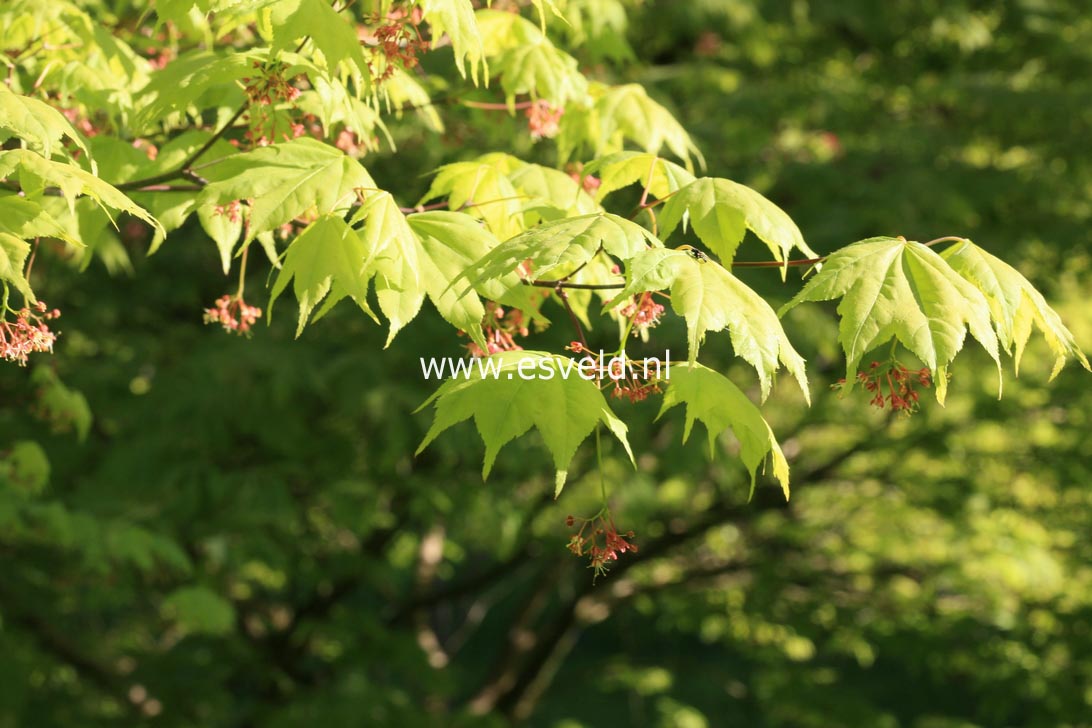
244,538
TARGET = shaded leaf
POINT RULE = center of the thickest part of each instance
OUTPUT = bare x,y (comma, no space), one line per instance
200,610
328,250
719,404
506,401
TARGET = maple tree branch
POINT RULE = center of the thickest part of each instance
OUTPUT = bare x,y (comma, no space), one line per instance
564,296
578,286
184,168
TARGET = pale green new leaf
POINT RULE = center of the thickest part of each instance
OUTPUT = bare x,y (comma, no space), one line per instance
328,250
615,171
448,243
26,219
625,113
181,84
36,172
563,245
283,181
712,299
224,231
564,407
483,188
720,404
328,30
722,211
36,122
893,288
1015,305
456,19
551,193
13,259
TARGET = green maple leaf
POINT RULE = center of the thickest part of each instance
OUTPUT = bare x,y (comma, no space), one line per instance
35,121
894,288
551,193
1015,305
623,113
527,62
483,185
182,83
661,177
25,219
456,18
36,173
562,246
565,409
283,181
722,211
329,30
328,250
224,231
448,243
13,258
720,404
711,299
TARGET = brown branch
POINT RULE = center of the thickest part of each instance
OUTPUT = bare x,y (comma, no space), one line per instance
564,296
184,168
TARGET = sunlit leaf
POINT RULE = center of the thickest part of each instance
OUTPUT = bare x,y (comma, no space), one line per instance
544,391
894,288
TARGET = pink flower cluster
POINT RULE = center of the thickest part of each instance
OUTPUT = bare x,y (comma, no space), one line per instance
233,313
644,311
28,333
544,119
901,395
599,540
500,330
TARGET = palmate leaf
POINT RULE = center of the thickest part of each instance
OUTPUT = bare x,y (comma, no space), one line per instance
551,193
527,61
36,173
456,19
484,185
506,401
563,245
26,219
328,250
329,31
36,122
13,259
720,404
447,243
722,211
615,171
181,83
894,288
622,113
1015,305
712,299
282,181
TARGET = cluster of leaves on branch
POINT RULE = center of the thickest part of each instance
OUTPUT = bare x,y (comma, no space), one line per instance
256,117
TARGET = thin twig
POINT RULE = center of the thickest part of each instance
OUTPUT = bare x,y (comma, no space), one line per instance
564,296
183,168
